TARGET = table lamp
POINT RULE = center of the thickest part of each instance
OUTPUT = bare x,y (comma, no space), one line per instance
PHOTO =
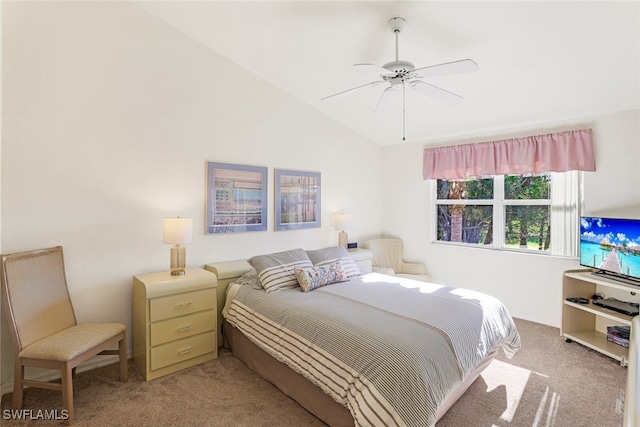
177,231
343,223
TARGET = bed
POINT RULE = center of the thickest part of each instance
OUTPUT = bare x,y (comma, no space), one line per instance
358,349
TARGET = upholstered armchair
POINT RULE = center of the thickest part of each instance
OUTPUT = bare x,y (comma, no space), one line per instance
387,259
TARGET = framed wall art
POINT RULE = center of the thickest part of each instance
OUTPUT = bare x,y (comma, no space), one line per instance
297,202
236,198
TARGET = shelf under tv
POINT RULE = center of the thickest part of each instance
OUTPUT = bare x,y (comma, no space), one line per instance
587,323
617,277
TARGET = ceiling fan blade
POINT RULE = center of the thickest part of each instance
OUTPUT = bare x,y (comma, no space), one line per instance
344,92
385,100
435,92
455,67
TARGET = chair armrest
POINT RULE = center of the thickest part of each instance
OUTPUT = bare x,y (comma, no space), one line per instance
413,268
384,270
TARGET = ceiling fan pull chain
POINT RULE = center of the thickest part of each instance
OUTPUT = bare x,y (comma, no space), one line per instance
403,113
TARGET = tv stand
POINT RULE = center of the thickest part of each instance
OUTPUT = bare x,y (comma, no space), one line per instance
587,323
616,277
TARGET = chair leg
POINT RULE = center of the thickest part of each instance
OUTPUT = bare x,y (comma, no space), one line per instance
18,376
67,392
124,370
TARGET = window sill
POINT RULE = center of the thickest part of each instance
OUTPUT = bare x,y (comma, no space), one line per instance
505,249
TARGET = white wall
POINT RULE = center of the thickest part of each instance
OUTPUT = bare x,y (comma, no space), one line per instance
528,284
109,117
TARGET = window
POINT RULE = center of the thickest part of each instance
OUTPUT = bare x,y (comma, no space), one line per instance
511,212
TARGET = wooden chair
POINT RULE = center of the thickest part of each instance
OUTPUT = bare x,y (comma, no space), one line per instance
44,328
387,259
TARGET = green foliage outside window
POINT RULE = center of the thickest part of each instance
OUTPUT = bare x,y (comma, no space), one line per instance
525,226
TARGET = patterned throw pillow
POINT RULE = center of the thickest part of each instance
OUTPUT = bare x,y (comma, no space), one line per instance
316,277
325,256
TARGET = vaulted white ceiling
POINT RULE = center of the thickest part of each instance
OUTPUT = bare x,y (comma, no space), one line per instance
539,62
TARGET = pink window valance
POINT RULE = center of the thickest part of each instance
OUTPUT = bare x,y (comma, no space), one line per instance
556,152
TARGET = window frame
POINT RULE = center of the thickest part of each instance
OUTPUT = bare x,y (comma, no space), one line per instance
499,204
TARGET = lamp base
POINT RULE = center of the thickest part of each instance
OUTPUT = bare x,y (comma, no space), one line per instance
343,239
178,260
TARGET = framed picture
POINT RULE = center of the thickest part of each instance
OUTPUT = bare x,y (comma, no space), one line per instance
236,198
297,199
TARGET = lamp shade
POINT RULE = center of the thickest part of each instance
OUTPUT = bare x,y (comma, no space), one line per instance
177,230
343,222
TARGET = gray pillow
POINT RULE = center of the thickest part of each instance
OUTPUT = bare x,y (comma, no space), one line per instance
326,256
277,270
250,278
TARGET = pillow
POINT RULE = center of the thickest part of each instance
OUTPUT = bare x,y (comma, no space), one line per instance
326,256
250,278
315,277
277,270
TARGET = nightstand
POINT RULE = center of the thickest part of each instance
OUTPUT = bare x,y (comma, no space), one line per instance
174,321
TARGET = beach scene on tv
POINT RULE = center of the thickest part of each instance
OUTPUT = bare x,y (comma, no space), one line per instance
611,244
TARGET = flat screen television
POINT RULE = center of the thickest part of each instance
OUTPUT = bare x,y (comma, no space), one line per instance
612,246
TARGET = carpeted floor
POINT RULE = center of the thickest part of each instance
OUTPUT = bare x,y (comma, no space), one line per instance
548,383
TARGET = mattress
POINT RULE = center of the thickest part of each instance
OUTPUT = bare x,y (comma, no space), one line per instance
390,350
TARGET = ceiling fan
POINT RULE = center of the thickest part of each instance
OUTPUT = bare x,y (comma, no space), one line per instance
400,74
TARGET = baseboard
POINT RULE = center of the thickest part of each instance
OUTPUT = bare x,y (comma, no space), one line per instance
93,363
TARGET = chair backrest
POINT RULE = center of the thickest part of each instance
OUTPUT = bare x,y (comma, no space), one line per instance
386,252
34,289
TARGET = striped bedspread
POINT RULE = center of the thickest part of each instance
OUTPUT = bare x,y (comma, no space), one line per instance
389,349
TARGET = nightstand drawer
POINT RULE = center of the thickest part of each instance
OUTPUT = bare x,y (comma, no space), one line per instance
178,351
179,305
182,327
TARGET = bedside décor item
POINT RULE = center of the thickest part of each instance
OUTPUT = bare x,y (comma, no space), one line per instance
236,198
343,223
177,231
297,199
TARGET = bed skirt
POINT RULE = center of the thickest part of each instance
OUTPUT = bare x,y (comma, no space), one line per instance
310,396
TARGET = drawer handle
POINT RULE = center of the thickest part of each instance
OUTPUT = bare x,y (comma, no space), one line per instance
185,305
186,351
185,328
